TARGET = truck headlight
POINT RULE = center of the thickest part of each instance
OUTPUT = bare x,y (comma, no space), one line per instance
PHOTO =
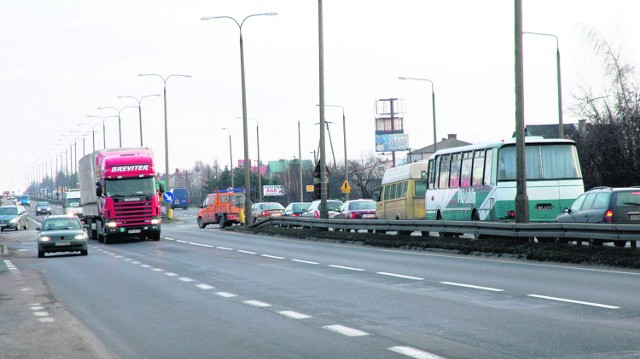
155,220
112,224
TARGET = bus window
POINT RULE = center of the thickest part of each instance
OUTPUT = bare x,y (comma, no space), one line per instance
444,171
393,194
454,179
465,172
488,168
385,192
478,168
431,175
403,190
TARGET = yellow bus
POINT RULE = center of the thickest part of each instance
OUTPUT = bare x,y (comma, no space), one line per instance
402,192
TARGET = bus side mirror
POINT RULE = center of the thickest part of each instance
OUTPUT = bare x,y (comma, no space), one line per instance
376,196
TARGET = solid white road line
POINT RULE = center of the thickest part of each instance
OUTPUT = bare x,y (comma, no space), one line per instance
305,262
256,303
414,353
294,315
341,329
473,286
400,276
347,268
573,301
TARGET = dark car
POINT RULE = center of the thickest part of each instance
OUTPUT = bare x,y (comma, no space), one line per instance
62,233
333,206
357,209
296,209
605,205
43,207
263,210
14,217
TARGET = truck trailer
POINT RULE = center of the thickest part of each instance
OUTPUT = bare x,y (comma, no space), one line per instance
118,194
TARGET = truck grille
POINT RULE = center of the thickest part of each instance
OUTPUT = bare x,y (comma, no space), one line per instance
128,214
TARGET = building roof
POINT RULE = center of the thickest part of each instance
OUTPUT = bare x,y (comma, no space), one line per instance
449,142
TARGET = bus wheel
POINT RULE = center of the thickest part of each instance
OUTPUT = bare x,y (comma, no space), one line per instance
476,217
596,242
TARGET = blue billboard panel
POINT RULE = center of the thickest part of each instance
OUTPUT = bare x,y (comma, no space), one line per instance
392,142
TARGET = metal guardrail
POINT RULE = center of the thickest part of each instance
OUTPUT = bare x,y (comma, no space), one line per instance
568,231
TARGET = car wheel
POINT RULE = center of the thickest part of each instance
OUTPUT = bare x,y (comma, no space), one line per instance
201,223
221,222
620,244
40,254
26,225
84,252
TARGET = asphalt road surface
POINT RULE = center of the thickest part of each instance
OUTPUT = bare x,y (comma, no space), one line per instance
207,293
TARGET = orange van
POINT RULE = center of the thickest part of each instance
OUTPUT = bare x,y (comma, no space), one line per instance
222,208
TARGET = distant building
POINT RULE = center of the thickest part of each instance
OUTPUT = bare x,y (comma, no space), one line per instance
424,153
281,166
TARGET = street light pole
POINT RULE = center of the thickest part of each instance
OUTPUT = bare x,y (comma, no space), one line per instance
300,167
119,119
433,107
346,162
245,131
230,157
558,80
140,109
166,131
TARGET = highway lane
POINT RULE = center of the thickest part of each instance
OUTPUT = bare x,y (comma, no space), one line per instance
148,296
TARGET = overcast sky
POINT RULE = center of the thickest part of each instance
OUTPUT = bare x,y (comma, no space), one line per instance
61,60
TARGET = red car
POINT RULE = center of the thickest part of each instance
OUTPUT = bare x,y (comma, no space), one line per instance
358,209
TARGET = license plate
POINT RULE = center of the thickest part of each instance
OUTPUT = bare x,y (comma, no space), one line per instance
276,214
368,216
634,217
135,230
63,244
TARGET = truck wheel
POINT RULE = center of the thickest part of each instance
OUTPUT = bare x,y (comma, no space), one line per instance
155,237
221,221
201,223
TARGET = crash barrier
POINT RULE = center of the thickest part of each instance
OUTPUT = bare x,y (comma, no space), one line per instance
477,229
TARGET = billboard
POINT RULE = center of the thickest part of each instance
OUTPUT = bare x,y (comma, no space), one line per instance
392,142
273,190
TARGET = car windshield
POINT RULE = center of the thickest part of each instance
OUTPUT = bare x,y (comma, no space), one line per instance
300,207
43,204
8,211
628,198
362,205
54,224
333,205
272,206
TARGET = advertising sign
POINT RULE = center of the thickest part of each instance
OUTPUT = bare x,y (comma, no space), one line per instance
273,190
392,142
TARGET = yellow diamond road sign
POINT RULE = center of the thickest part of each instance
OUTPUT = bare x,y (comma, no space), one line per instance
345,188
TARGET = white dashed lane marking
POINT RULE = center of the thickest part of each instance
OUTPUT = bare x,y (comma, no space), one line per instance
294,315
473,286
246,252
256,303
305,262
414,353
350,332
573,301
272,257
347,268
204,286
400,276
226,294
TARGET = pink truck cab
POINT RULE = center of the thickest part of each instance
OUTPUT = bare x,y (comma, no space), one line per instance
119,196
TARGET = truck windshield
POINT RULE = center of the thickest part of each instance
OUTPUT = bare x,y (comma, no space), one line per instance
130,187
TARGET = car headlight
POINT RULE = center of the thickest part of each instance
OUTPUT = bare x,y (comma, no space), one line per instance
45,239
15,220
80,236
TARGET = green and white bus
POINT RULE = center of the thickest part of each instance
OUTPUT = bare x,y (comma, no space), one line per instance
478,182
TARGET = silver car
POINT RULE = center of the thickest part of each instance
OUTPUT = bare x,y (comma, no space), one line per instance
13,217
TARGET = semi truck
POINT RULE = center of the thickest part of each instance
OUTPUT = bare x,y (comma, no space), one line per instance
71,202
118,194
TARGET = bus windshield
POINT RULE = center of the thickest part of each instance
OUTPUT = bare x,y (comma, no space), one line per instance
543,162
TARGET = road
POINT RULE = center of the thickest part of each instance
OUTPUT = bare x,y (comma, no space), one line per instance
203,293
